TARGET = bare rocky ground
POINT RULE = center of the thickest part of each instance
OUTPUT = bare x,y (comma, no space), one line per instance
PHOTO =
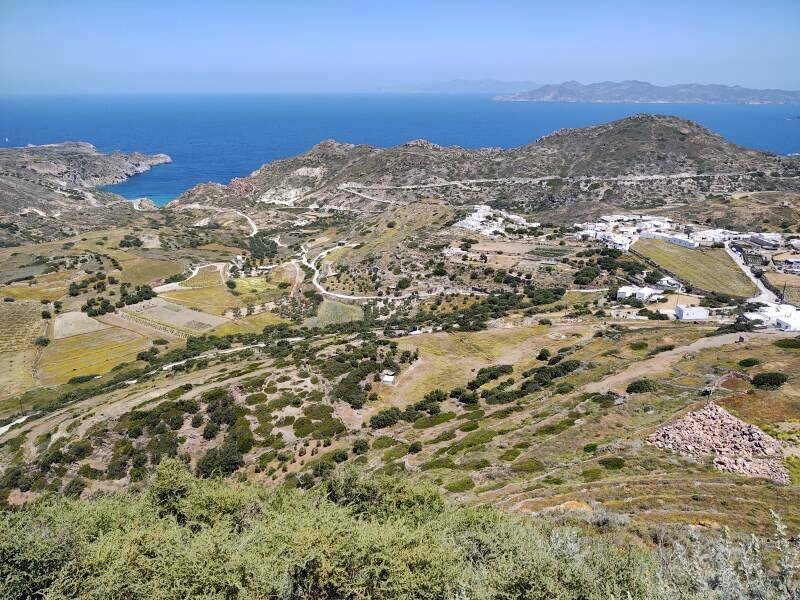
737,447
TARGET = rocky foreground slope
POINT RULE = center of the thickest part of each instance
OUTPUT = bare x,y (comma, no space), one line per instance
49,191
638,162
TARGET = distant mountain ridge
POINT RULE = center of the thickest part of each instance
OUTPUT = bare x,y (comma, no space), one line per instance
643,92
628,164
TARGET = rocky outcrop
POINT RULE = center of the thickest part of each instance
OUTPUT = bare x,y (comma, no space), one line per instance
77,164
736,446
49,191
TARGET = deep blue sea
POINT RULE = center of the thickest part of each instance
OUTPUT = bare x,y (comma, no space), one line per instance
216,138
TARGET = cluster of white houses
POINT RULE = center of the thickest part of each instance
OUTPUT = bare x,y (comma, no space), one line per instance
621,232
492,222
683,312
781,316
784,317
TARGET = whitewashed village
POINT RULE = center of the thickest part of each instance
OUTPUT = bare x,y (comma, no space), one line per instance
769,250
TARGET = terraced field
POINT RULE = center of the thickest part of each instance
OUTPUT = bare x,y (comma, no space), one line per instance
257,290
16,373
709,269
74,323
43,291
554,448
331,311
89,353
250,324
21,324
214,300
172,317
138,271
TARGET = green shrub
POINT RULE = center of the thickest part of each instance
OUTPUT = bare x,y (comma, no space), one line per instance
221,461
527,465
641,386
661,348
612,463
383,442
592,474
769,381
460,485
80,379
749,362
443,462
472,439
360,446
385,418
791,343
433,420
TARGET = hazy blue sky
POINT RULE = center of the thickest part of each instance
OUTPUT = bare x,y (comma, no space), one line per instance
58,46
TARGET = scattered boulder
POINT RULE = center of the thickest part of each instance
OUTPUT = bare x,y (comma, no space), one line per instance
737,447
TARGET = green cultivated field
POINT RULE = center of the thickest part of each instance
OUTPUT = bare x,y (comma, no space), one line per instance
331,311
709,269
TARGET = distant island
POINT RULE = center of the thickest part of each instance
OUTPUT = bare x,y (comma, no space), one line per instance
633,92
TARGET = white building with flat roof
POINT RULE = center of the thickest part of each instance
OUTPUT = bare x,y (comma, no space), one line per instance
679,239
716,236
684,312
634,291
770,314
789,323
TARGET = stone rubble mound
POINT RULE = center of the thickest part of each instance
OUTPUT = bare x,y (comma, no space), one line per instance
737,447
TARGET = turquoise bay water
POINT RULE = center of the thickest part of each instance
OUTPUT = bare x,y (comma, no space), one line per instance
216,138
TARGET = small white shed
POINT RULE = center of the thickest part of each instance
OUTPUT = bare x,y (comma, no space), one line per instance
685,312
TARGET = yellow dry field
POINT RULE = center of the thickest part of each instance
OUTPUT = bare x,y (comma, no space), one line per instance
20,324
220,248
792,283
448,360
331,311
44,291
709,269
16,373
205,277
90,353
135,269
251,324
138,271
214,300
675,299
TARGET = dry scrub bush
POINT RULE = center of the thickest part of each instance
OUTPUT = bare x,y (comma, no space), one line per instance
352,537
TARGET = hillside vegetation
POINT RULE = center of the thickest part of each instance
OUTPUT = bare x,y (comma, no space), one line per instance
354,538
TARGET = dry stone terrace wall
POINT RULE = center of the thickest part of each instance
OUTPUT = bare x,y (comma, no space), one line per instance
737,447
